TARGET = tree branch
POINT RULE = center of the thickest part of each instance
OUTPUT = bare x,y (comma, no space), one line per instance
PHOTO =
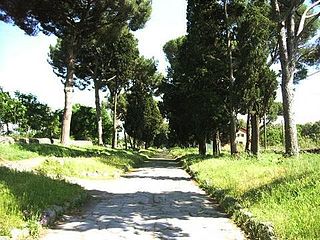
305,16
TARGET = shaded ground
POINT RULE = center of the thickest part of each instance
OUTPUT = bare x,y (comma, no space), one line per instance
158,201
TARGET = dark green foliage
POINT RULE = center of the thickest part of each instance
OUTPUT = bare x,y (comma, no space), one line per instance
83,125
256,83
11,109
64,18
310,134
152,121
275,135
38,117
142,119
142,116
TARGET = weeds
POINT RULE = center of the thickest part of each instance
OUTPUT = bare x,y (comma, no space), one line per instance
24,196
284,191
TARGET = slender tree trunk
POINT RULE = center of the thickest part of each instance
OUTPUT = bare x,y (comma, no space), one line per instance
114,130
216,144
8,129
125,140
265,131
233,115
287,50
130,141
202,145
248,140
68,92
98,112
255,134
233,134
134,143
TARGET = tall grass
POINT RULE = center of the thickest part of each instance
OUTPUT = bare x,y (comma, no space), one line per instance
284,191
15,152
179,152
24,196
91,167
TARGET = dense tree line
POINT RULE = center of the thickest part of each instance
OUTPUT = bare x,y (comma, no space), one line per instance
222,67
78,25
32,118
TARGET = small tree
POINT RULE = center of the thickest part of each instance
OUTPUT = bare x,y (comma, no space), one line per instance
11,110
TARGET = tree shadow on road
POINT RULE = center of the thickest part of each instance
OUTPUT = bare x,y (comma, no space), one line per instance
165,215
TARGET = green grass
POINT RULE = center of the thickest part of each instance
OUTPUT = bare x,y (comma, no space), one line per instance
105,167
24,196
15,152
284,191
179,152
83,162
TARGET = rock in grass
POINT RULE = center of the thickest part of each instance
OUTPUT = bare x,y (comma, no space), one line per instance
6,140
19,233
4,238
48,217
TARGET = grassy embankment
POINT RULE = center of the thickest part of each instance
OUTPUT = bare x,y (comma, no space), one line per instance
284,191
24,196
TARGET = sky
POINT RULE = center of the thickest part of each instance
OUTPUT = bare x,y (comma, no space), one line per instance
24,66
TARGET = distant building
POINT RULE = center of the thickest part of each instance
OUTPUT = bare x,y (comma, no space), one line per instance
241,136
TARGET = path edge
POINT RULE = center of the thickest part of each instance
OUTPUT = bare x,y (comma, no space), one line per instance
48,217
253,228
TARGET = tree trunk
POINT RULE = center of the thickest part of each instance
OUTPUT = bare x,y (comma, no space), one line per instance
233,134
290,129
248,140
134,143
255,134
287,50
125,140
265,131
98,112
8,129
68,92
202,146
233,116
114,130
216,144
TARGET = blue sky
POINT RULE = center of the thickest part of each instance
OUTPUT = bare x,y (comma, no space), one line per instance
24,67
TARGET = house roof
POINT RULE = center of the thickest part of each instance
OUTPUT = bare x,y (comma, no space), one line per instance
242,130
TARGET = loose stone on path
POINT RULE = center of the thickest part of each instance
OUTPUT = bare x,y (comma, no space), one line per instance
158,201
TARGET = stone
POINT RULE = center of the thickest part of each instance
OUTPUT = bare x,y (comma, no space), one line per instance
153,202
6,140
24,140
40,140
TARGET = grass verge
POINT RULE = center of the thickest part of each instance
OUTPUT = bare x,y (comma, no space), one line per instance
82,162
14,152
179,152
106,166
24,196
284,191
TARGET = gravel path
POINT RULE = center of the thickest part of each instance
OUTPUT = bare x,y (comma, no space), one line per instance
158,201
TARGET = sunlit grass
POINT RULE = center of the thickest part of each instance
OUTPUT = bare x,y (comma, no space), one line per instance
24,196
178,152
284,191
92,168
14,152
